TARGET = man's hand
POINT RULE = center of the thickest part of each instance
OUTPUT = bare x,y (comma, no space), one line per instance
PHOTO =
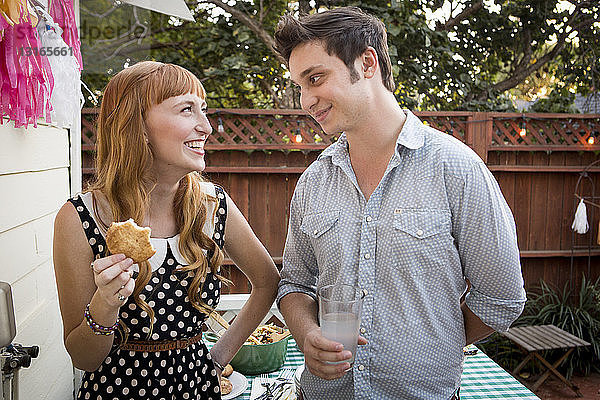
319,352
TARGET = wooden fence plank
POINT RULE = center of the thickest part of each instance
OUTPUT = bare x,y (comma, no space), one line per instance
257,200
538,213
554,201
523,206
277,205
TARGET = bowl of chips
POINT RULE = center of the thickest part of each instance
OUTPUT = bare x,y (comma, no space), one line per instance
263,352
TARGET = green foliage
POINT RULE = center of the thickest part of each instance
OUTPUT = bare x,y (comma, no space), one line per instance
576,313
467,63
560,100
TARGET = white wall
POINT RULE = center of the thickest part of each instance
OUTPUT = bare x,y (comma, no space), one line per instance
34,183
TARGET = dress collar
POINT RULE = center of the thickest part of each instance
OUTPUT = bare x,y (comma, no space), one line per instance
159,244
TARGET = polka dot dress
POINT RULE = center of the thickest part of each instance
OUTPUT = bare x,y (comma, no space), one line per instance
172,374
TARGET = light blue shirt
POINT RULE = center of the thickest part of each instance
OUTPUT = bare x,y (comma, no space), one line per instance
436,218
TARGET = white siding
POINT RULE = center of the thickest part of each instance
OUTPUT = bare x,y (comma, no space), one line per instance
34,183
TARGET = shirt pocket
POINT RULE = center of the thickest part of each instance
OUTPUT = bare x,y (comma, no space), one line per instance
322,230
422,224
422,238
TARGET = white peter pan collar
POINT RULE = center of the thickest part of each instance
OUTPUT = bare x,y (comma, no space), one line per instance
160,244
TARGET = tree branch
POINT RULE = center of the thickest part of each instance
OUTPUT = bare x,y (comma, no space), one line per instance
525,68
245,19
522,73
464,14
527,52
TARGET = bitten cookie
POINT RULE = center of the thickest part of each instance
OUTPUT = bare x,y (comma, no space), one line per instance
130,239
226,386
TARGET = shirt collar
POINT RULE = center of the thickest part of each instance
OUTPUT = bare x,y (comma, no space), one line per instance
337,150
411,136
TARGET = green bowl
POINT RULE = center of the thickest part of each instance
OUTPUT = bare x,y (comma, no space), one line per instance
255,359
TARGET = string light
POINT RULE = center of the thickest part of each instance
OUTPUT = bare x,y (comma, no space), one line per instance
220,127
523,130
591,139
298,136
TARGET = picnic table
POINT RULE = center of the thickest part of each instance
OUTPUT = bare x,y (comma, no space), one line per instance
482,378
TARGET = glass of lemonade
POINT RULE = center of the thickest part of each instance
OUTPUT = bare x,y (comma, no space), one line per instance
340,307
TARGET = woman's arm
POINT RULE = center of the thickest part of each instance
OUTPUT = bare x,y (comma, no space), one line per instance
77,286
248,253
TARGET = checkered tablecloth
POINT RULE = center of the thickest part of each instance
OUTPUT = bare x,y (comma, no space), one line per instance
482,378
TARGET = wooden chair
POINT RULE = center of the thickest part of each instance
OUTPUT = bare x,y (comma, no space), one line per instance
535,339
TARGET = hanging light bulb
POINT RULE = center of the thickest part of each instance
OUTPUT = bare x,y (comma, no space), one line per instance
523,130
297,136
220,127
591,139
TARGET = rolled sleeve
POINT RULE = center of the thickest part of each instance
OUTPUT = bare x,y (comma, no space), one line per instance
496,313
486,237
300,271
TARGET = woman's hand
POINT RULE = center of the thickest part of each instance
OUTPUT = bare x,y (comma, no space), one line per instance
113,277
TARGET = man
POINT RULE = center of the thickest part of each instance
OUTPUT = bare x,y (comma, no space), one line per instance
405,212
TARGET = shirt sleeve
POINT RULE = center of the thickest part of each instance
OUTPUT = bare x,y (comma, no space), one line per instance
486,238
300,271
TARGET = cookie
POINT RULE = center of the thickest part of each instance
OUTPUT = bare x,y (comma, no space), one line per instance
130,239
228,370
226,386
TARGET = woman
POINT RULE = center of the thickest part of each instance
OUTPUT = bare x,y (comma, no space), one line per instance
123,322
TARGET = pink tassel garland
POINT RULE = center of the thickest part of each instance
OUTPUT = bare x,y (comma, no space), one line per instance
63,14
26,81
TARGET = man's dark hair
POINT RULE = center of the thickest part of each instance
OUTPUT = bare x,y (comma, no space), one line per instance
345,32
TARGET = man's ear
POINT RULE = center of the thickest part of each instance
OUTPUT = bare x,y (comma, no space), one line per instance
369,62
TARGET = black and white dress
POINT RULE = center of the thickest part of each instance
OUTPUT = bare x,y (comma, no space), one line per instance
172,374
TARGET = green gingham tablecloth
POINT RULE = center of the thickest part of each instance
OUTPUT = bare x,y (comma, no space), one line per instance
482,378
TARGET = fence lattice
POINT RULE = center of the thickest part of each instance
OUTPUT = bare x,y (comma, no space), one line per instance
248,129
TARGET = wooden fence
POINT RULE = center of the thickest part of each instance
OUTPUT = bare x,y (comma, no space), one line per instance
536,158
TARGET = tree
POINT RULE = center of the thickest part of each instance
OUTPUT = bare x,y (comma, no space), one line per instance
446,54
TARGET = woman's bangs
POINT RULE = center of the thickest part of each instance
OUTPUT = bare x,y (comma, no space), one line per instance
170,81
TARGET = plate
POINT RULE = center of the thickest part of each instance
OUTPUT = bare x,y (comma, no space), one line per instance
239,382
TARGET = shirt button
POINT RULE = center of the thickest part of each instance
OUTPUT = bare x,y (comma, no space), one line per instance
361,367
365,292
420,232
363,330
367,256
316,232
369,219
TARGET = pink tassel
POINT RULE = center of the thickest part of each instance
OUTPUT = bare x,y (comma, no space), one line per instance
26,81
63,14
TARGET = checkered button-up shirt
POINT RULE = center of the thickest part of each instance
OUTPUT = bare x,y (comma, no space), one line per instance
436,218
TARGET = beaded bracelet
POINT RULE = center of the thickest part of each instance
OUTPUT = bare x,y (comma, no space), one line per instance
97,328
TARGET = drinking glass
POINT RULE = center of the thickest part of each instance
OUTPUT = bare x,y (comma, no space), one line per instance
340,308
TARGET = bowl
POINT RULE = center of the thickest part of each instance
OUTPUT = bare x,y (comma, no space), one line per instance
255,359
